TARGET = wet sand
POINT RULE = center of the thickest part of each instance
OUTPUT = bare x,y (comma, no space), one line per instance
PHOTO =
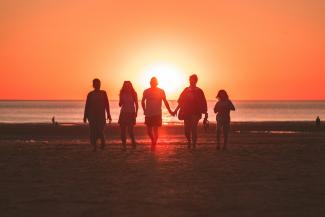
270,169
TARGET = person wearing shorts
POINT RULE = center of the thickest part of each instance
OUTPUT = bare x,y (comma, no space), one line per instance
151,103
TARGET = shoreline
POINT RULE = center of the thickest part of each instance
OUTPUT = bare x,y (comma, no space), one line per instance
67,131
166,122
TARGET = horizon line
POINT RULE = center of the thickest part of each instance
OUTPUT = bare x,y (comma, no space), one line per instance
208,99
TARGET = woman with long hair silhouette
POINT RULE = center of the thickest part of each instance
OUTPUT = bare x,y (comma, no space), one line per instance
129,110
222,109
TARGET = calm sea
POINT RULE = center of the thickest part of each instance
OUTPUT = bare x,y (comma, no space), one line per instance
72,111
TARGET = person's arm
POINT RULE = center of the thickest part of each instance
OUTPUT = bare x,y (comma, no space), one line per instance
232,107
204,105
120,103
176,109
136,104
167,104
86,109
107,108
216,108
179,101
143,103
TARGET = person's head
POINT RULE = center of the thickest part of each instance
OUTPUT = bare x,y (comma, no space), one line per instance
153,82
127,87
193,80
96,84
222,95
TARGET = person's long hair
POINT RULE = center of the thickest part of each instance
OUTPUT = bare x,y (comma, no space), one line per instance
127,88
222,95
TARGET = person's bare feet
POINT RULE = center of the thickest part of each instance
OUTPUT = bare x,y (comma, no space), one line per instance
153,146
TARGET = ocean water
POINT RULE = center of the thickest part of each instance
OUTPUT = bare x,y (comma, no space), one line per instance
72,111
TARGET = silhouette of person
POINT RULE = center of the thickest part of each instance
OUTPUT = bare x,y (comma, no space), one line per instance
151,103
53,121
191,105
222,109
317,121
129,110
96,105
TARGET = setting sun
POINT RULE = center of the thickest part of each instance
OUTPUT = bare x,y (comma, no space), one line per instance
170,78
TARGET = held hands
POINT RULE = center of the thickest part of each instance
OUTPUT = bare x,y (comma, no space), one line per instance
206,116
206,123
172,113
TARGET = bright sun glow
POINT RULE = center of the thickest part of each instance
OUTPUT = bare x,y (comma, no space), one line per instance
170,78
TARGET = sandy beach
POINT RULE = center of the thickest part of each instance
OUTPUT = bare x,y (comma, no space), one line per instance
271,169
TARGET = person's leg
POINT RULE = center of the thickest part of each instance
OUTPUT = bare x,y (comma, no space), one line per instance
155,133
131,133
187,131
148,122
150,134
101,135
157,124
225,135
92,131
218,135
123,136
194,124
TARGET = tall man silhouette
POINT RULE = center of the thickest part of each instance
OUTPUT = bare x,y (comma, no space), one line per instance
97,105
151,104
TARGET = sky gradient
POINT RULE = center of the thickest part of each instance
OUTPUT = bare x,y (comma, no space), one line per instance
253,49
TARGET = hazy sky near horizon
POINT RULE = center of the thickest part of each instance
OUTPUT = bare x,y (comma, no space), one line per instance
254,49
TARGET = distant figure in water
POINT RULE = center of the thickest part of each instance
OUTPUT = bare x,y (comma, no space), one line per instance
129,110
191,105
96,105
317,121
222,109
53,121
151,103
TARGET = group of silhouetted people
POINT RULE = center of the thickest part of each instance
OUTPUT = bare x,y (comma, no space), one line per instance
191,106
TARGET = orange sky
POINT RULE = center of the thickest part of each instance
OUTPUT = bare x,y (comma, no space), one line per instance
254,49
